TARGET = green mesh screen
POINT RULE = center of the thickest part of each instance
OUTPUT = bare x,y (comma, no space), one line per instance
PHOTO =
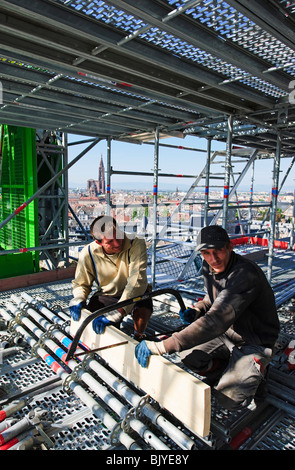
18,182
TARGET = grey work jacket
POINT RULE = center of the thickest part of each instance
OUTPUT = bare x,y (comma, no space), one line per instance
239,302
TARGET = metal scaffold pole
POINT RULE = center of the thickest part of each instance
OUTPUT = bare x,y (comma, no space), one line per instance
66,196
227,172
274,204
207,182
108,176
292,224
251,194
155,205
60,368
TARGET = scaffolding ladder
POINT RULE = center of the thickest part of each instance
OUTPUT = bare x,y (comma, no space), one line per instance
229,187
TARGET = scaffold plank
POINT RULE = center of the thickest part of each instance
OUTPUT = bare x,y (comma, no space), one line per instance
182,394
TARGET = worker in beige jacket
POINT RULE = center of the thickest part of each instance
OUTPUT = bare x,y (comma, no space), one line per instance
117,264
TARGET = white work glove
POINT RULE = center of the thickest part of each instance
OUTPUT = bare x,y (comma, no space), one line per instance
156,348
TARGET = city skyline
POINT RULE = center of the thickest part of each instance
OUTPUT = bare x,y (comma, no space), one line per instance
140,157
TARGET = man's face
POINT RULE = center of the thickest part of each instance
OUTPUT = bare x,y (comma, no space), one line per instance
111,245
112,242
217,258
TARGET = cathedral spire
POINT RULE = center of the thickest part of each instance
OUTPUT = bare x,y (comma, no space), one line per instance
101,178
97,187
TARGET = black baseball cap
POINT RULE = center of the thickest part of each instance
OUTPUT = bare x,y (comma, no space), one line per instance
213,236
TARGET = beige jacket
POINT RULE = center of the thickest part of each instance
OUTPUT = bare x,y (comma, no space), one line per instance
120,275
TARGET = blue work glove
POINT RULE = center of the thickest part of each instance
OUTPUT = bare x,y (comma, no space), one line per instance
75,310
146,348
100,323
187,316
142,354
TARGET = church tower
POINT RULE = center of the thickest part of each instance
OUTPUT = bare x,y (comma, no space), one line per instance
101,178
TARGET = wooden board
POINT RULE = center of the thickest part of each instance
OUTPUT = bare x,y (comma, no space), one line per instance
186,397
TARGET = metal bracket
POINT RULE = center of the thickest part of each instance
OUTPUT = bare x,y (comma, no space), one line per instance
40,342
25,305
13,334
34,419
64,326
34,350
39,300
66,384
19,314
74,375
134,412
114,436
143,402
125,424
52,327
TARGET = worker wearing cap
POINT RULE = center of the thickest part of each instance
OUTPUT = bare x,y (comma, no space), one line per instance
117,264
230,334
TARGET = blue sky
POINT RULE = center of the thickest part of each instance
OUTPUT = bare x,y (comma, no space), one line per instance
135,157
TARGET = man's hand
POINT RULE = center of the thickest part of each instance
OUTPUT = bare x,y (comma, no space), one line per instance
145,349
100,323
112,318
76,306
188,316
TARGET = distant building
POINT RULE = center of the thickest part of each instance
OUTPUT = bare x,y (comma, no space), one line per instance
101,178
92,188
97,187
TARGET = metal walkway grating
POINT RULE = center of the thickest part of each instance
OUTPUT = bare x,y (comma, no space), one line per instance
177,65
234,26
217,15
75,427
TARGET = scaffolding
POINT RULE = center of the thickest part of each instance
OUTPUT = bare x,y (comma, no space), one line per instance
214,212
138,71
52,196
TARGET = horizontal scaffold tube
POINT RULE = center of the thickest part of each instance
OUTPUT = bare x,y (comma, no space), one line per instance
77,389
101,391
24,441
11,409
179,437
7,423
53,317
135,400
20,427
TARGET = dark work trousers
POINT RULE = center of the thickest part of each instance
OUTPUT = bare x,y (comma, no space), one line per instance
141,310
98,301
234,372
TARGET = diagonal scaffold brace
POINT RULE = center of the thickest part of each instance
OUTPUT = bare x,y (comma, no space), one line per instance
116,306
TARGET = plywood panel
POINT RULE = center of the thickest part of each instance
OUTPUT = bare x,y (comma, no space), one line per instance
186,397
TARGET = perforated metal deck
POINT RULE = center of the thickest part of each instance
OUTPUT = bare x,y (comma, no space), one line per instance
70,424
